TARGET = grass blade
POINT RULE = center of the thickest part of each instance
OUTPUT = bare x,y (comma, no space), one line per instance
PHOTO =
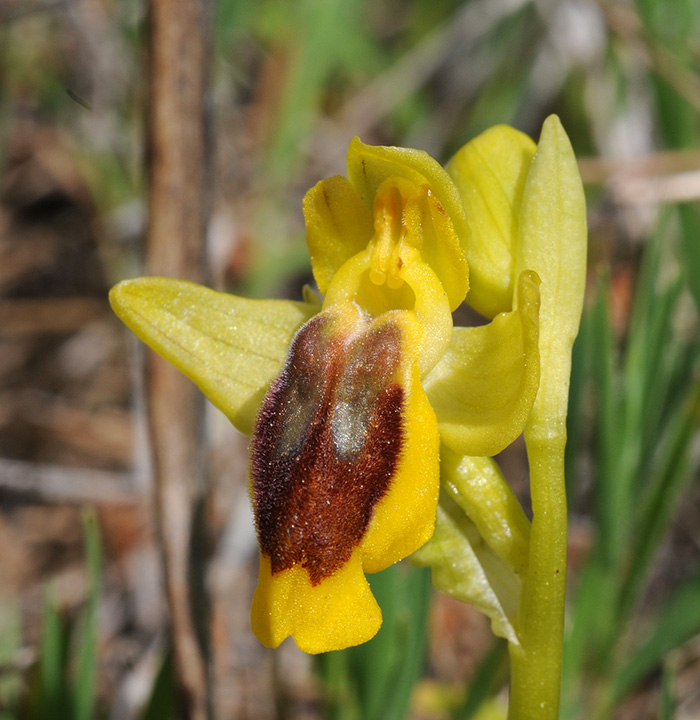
676,624
485,679
84,690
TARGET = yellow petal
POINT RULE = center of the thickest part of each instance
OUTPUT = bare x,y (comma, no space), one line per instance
232,348
490,173
553,243
344,467
338,225
406,215
369,166
484,385
478,487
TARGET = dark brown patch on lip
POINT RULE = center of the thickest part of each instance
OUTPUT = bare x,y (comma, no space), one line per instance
326,445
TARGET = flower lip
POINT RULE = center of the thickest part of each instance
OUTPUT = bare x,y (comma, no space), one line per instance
327,442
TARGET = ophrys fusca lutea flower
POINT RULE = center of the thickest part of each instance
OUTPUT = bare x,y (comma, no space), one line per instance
349,398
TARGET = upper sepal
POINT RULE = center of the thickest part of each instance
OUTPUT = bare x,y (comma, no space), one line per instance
490,173
432,208
231,347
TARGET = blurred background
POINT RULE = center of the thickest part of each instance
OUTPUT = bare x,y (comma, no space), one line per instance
85,630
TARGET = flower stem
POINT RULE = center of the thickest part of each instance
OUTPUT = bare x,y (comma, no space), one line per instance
536,663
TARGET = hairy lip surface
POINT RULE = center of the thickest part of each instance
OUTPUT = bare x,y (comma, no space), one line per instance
326,445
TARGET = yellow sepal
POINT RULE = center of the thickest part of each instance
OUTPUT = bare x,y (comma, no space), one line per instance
490,173
486,382
231,347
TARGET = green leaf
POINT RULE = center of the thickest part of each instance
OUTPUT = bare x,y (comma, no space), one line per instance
667,706
386,668
673,470
612,491
232,348
10,644
466,568
161,703
483,683
375,681
690,232
53,659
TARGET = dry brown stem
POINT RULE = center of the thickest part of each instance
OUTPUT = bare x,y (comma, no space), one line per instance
179,46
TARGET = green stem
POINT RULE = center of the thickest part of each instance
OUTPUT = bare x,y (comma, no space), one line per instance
536,663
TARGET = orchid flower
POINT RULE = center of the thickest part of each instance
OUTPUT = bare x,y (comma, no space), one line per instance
357,402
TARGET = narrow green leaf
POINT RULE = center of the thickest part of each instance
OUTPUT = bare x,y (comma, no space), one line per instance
386,669
690,232
53,659
161,703
10,643
667,705
612,489
85,688
592,631
483,685
677,623
579,393
672,472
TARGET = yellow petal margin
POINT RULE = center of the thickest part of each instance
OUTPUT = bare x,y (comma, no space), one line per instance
338,225
340,611
230,347
484,386
420,292
490,173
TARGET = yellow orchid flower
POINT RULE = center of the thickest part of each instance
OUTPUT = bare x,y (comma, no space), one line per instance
347,400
